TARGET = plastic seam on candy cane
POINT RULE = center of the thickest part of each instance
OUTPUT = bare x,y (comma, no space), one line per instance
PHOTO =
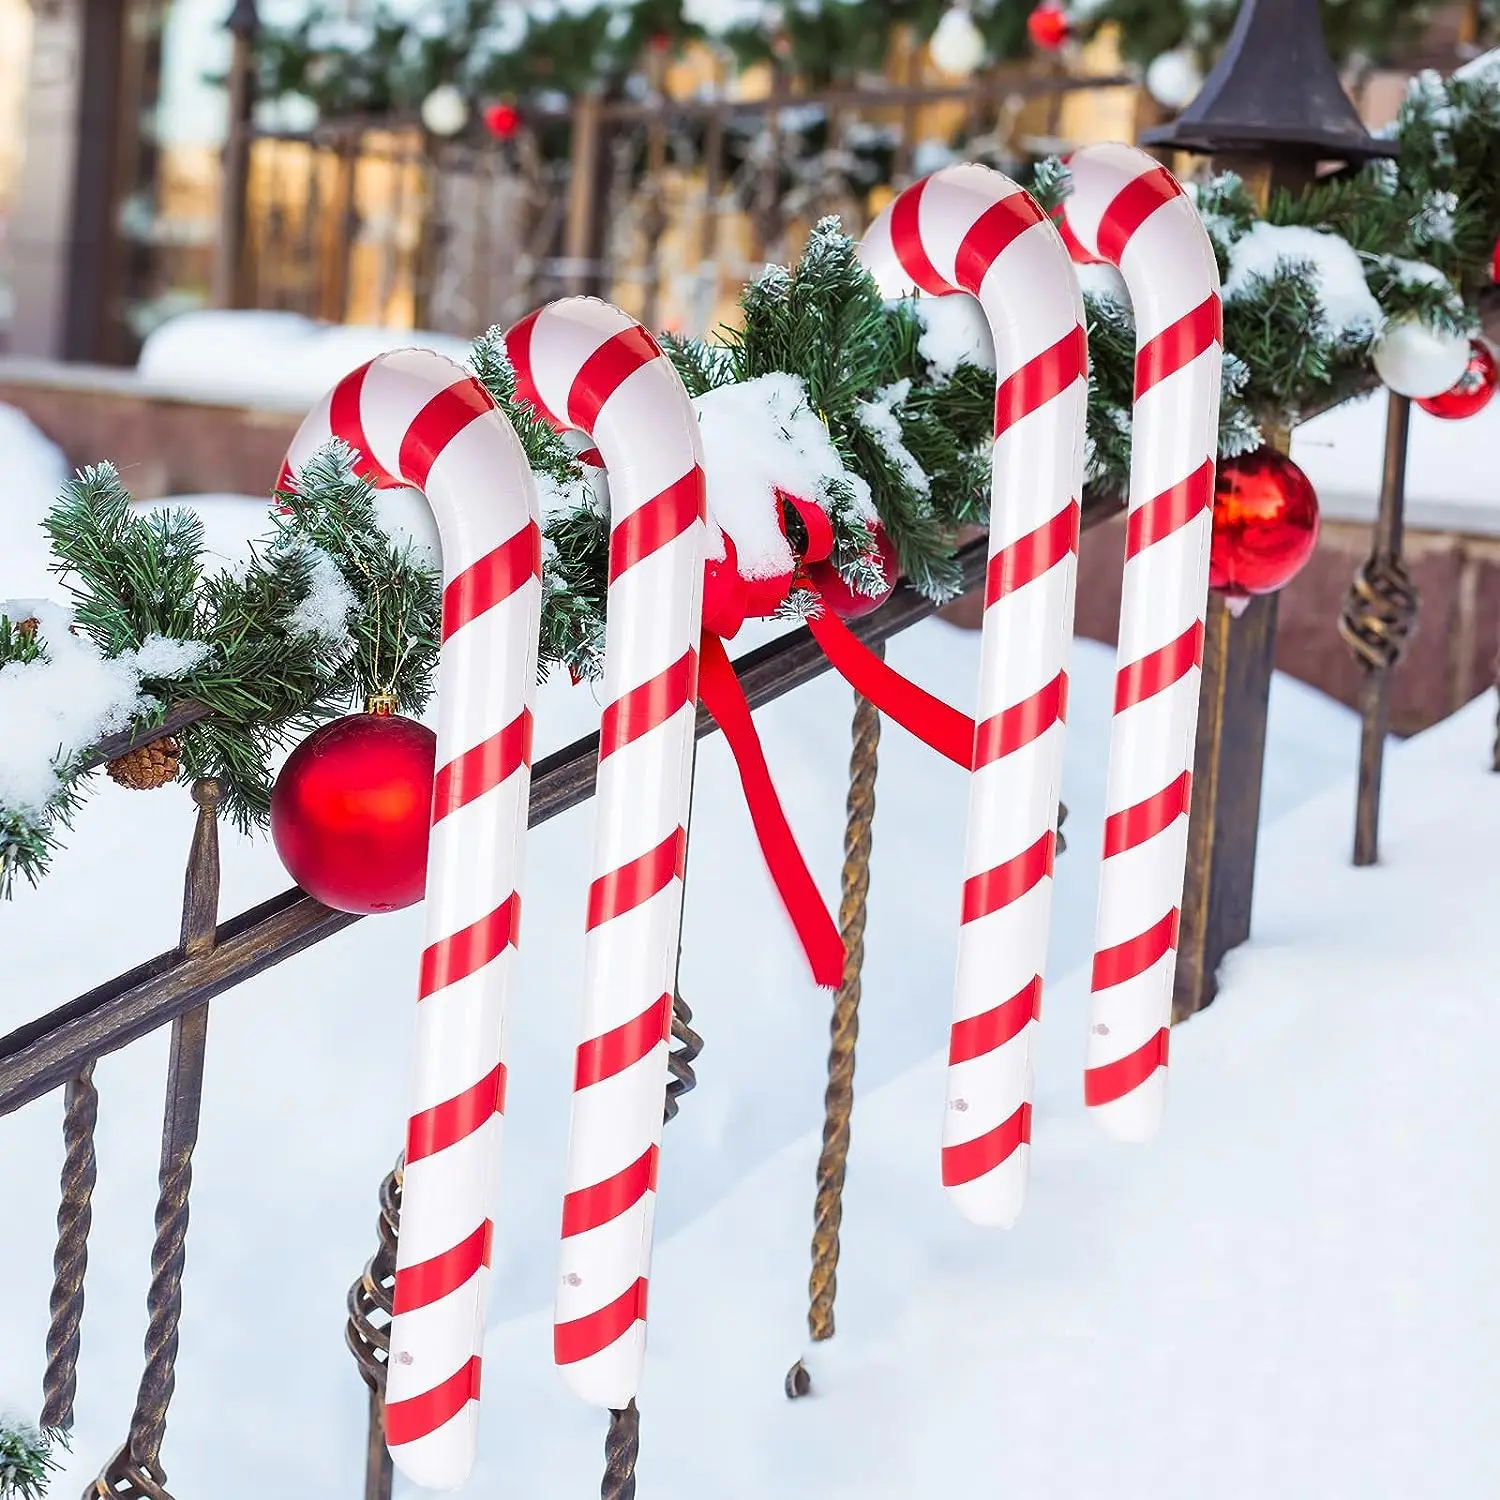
1127,210
414,418
586,366
970,230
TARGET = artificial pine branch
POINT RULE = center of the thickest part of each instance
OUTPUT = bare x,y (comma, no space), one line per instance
27,1459
131,576
545,450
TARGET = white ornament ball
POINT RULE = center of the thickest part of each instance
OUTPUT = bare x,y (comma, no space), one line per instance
1173,79
445,111
1417,361
957,46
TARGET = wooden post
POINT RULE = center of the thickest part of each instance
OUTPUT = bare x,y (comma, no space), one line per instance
581,236
655,219
1239,656
1223,826
1272,108
229,259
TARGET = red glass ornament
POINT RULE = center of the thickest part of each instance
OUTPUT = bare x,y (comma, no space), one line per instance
1495,263
1473,391
1265,524
350,812
843,600
502,120
1048,27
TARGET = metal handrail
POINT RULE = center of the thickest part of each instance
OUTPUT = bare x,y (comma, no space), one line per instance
47,1052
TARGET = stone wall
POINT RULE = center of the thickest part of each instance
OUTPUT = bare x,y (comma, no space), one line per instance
1449,661
162,444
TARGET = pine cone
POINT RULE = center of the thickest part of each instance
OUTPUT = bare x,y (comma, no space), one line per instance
146,767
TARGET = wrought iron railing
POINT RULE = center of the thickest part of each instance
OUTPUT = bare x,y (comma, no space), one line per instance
59,1051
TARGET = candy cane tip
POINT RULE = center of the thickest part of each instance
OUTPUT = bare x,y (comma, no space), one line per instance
1137,1118
444,1459
602,1383
989,1206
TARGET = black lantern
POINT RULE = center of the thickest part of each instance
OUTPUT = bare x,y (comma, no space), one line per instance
1274,93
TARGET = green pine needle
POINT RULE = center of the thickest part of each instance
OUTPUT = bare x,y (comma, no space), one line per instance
27,1459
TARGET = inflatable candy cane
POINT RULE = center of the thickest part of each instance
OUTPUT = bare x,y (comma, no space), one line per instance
584,365
969,229
415,418
1129,211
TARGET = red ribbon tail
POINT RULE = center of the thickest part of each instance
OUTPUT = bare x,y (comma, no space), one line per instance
931,720
722,695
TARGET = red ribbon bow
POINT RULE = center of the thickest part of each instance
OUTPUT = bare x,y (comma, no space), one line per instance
729,601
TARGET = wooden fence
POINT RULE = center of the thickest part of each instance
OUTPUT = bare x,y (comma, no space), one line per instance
664,206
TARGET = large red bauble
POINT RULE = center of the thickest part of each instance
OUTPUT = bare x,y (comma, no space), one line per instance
843,600
1473,391
1265,524
1048,26
350,812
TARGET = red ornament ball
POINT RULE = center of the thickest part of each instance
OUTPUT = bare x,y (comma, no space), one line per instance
1265,524
350,812
1473,391
1495,263
1048,27
502,120
843,600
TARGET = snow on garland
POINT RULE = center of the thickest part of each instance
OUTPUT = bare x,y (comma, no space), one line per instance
877,412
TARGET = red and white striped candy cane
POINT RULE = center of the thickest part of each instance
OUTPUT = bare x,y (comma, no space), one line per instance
415,418
970,229
1129,211
587,366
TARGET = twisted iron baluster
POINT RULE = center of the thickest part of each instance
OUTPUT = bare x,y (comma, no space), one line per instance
70,1259
135,1471
838,1100
680,1062
1377,620
622,1443
369,1341
1495,755
622,1446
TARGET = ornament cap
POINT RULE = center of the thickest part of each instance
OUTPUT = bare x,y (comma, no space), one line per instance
1274,90
383,705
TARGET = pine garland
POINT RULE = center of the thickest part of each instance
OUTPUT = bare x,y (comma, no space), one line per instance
499,49
1366,32
27,1458
329,611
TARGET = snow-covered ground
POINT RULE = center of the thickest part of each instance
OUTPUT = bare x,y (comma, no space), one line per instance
1283,1296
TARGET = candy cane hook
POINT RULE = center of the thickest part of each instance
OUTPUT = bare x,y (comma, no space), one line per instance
415,418
970,229
1128,210
589,367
